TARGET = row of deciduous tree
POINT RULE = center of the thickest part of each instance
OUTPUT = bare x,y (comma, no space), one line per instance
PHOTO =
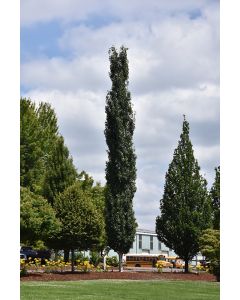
62,208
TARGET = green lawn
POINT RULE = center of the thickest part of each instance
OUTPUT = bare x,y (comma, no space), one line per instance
119,289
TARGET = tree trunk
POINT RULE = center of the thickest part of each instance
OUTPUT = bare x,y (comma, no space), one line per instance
104,262
66,255
72,263
120,262
186,265
55,254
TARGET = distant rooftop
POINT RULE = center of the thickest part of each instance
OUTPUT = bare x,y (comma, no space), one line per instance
141,230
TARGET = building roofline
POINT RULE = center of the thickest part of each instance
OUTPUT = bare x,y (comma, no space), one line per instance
145,231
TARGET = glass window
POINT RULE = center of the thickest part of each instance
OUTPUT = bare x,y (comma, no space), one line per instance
159,245
151,242
140,242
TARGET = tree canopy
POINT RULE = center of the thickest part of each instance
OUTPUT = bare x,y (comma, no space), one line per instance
31,152
82,221
59,171
215,195
185,206
37,218
210,248
46,167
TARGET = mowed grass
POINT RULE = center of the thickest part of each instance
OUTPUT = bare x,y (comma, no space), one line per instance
120,289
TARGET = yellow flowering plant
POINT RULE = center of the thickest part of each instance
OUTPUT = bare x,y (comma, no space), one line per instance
85,266
159,266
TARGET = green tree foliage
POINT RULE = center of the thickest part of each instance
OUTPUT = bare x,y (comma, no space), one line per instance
210,248
215,195
185,206
121,165
82,221
59,172
37,218
46,166
31,152
97,193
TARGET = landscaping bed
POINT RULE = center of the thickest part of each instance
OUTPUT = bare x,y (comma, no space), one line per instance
68,276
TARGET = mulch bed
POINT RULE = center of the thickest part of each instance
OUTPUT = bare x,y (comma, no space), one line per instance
67,276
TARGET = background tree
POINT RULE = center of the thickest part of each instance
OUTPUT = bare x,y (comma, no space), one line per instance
60,172
37,218
121,165
210,248
215,195
46,166
82,222
185,206
97,193
31,152
47,121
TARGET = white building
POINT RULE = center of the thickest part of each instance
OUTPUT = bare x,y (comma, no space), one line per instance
146,241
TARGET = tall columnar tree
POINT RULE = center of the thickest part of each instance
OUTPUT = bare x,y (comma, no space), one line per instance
215,195
185,206
121,165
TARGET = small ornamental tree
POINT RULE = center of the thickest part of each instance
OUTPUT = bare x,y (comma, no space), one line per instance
37,218
185,206
121,165
215,195
97,193
210,248
82,222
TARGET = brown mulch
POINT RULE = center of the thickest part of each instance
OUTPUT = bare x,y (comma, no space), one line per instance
67,276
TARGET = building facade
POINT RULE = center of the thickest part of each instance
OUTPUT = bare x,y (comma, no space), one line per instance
146,242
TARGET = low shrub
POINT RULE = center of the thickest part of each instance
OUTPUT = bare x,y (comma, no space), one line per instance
85,266
112,261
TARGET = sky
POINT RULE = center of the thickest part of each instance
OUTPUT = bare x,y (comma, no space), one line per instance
173,70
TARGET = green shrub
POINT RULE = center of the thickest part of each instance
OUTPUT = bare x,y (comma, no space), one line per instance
112,261
23,272
95,258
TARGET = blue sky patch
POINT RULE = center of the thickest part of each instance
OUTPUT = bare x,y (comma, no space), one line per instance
40,40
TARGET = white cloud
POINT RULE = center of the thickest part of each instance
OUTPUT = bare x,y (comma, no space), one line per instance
33,11
167,53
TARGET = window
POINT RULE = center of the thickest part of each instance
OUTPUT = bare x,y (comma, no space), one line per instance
159,245
140,242
151,242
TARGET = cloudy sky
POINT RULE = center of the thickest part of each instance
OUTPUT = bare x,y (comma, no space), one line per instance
174,70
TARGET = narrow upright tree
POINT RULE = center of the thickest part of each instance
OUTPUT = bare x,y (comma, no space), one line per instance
215,195
185,206
121,165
